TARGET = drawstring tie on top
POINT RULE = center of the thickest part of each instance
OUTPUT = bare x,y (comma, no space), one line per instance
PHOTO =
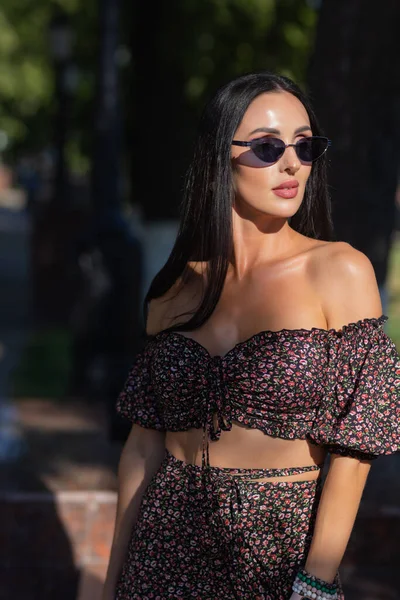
216,409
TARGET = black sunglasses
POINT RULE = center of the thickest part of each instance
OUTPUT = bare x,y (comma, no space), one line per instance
270,149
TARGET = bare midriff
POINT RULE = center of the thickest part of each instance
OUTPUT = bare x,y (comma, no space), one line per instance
245,448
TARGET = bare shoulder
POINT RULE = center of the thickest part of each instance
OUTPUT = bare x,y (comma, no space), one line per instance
346,282
341,260
157,313
183,296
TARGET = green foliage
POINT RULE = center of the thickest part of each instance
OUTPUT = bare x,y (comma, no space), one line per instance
26,72
25,84
45,365
393,325
226,38
207,41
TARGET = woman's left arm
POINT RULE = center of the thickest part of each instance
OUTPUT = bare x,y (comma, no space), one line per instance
337,511
349,286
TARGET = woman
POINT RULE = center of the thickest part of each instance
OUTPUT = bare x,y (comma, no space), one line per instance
265,351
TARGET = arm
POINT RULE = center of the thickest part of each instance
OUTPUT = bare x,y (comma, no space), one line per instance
141,456
349,292
337,511
140,459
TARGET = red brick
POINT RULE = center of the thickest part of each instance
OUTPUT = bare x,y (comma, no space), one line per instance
101,531
73,516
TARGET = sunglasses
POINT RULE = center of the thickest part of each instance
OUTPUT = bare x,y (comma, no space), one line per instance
270,149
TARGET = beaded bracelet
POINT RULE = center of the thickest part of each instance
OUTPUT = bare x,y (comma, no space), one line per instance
311,587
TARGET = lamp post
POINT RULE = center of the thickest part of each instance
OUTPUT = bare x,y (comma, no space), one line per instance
52,230
61,42
110,328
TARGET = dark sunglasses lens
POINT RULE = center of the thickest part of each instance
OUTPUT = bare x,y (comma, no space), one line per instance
269,151
309,149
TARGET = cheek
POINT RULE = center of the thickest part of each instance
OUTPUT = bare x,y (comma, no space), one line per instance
304,174
249,182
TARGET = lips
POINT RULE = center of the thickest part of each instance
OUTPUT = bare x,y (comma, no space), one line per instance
292,183
287,189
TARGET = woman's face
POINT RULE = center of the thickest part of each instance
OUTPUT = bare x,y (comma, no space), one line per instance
280,115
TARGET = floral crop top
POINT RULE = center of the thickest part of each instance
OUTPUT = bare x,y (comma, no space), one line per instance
338,389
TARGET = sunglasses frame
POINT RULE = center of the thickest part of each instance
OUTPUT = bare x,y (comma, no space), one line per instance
259,141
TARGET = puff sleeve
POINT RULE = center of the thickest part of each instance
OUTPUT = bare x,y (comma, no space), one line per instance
137,401
360,412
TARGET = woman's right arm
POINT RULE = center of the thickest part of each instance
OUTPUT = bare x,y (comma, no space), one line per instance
141,457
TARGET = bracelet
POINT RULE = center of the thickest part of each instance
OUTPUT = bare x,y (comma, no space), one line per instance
314,588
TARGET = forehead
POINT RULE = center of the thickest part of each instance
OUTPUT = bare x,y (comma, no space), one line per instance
279,110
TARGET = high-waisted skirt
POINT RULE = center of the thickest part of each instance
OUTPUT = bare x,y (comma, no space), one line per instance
219,534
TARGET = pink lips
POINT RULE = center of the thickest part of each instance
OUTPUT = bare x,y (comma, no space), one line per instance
287,189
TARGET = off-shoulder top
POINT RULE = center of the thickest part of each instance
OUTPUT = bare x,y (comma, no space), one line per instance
337,389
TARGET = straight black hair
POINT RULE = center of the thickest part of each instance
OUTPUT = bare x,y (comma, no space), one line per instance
205,231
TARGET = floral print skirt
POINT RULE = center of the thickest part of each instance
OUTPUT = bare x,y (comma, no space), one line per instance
219,534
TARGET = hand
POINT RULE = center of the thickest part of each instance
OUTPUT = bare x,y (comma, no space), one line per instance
296,596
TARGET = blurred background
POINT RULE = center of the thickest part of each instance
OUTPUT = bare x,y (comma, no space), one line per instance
99,102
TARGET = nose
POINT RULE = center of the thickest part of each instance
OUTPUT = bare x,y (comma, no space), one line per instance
289,161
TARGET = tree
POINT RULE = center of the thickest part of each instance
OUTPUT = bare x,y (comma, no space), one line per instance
355,82
182,51
27,77
185,49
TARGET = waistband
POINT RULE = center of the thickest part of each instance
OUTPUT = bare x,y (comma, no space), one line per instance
239,473
213,480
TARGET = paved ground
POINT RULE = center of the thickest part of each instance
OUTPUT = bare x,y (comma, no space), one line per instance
57,476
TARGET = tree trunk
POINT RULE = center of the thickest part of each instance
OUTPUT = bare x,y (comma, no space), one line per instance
160,144
354,82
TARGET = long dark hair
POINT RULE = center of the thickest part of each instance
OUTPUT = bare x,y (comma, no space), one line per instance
205,231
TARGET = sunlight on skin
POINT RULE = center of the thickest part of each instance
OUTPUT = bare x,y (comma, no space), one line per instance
254,181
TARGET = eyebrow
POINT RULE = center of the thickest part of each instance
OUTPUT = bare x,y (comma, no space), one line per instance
272,130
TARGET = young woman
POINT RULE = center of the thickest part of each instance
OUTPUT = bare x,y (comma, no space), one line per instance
265,351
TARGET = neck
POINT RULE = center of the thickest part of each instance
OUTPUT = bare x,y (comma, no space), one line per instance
258,243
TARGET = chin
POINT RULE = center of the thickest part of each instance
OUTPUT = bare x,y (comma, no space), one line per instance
287,212
268,209
273,207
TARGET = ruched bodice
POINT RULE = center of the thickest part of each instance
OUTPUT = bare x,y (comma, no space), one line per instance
339,389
